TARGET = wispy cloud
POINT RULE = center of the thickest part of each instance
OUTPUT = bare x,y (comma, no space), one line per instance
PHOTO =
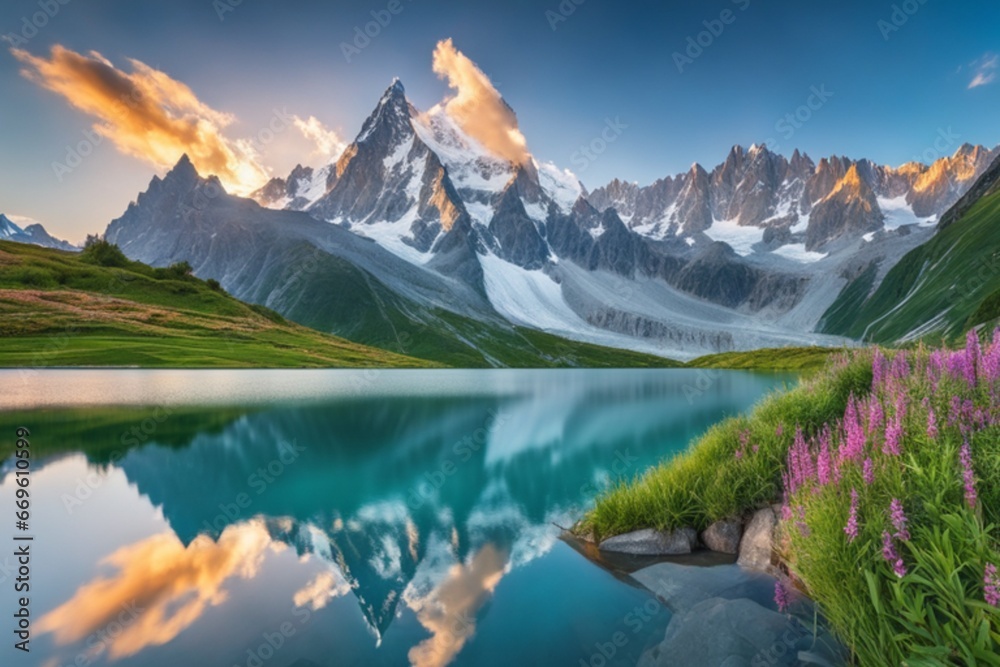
328,142
477,106
147,114
985,68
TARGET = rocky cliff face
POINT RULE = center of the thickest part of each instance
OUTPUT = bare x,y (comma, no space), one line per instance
757,188
851,209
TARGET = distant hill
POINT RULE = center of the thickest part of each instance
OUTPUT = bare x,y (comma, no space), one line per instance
100,309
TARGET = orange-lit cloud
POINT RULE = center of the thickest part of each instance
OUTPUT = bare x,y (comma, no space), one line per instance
477,106
449,612
161,586
328,143
147,114
322,588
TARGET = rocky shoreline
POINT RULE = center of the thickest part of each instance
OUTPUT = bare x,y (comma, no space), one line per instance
725,615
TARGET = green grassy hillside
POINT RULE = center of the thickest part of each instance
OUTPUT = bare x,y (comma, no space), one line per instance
768,359
100,309
936,292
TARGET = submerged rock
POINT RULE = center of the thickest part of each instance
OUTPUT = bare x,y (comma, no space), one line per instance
758,541
739,633
723,536
681,587
650,542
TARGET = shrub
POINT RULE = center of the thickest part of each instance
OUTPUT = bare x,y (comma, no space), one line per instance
100,252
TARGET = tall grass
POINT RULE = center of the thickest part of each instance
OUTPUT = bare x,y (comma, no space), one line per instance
888,471
734,468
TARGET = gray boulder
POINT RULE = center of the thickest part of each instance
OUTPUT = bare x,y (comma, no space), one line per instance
650,542
723,536
758,541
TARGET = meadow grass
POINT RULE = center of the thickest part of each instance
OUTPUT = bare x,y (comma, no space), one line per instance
769,359
887,469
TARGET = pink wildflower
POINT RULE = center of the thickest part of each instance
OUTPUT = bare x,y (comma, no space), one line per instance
991,585
968,476
890,554
780,597
852,520
868,471
899,520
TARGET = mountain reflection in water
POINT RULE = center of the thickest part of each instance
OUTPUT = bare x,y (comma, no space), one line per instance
399,527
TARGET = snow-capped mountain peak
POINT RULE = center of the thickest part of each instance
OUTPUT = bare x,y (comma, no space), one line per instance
33,233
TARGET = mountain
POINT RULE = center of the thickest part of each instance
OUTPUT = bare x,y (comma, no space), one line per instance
527,238
418,232
327,277
761,202
99,309
940,289
34,234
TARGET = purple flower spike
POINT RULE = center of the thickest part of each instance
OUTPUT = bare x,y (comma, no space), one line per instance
868,472
899,520
852,520
780,597
890,554
968,476
991,585
932,428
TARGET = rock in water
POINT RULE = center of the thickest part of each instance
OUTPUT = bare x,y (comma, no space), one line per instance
681,587
651,542
739,633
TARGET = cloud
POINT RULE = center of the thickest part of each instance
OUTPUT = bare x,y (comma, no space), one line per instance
328,143
147,114
322,588
477,106
986,70
22,220
449,611
158,589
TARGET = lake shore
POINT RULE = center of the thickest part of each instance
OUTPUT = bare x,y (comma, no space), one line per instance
884,463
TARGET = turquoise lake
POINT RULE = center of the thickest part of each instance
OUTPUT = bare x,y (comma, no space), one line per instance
315,518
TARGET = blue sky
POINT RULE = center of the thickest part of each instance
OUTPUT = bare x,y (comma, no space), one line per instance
889,92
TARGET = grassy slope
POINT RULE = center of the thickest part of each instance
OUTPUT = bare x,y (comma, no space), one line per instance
939,289
769,359
928,604
56,309
382,318
706,483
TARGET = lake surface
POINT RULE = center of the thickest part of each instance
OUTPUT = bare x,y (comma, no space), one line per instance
315,518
